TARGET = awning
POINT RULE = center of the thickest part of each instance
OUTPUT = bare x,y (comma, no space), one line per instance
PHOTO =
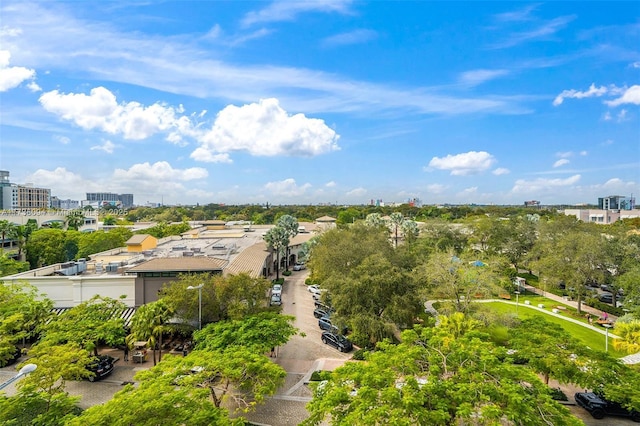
126,314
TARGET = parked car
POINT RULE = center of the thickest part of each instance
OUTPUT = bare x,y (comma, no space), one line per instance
276,289
101,367
314,289
321,305
276,300
325,323
299,266
605,297
338,341
599,407
322,312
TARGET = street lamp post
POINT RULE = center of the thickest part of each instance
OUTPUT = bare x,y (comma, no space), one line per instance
517,296
28,368
606,332
199,288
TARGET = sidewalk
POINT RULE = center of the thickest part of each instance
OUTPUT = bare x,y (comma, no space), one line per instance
572,303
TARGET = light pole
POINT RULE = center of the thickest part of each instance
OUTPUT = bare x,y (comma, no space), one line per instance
28,368
606,332
517,296
199,288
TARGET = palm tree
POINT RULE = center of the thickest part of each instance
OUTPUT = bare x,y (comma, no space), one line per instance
278,239
149,323
75,219
6,228
396,219
289,224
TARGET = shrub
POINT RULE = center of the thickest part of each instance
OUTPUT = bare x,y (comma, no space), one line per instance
359,354
286,273
605,307
319,375
278,281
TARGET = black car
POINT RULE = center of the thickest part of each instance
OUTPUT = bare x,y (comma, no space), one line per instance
606,297
321,312
101,366
338,341
599,407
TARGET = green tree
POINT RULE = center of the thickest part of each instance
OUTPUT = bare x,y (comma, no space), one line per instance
50,246
629,333
6,229
435,378
22,311
9,266
277,238
223,297
460,280
338,251
290,225
375,299
153,402
75,219
149,323
573,256
99,241
91,322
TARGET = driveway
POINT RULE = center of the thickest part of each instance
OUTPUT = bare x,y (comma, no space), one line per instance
299,357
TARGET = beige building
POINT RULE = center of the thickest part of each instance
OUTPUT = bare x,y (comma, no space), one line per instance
141,242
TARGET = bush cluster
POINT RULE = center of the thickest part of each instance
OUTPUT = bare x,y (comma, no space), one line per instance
605,307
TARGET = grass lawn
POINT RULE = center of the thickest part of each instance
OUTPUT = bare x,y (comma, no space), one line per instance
587,336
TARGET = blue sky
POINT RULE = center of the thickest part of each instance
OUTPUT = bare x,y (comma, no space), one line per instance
328,101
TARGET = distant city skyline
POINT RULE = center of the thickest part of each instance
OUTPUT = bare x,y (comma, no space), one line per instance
321,102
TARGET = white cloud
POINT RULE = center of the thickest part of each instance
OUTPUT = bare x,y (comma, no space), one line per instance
606,116
352,37
287,11
159,172
100,110
584,153
576,94
561,162
60,181
436,188
287,188
635,64
33,86
331,184
501,171
545,31
476,77
206,156
607,142
630,96
62,139
265,129
357,192
522,186
182,66
468,163
107,147
468,191
566,154
12,77
622,115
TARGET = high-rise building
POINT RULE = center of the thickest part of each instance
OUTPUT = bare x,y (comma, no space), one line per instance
14,196
616,202
125,200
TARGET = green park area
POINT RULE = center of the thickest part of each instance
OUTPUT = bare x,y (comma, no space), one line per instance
588,335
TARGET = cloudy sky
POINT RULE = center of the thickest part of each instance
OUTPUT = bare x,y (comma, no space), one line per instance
329,101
